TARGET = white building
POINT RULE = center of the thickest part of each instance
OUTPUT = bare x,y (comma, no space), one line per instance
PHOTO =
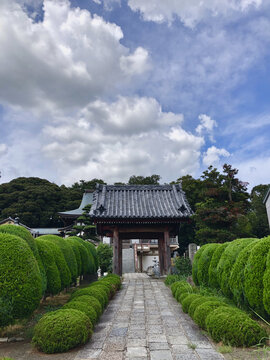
267,204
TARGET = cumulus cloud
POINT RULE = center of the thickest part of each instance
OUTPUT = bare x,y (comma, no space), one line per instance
190,12
212,156
206,126
66,60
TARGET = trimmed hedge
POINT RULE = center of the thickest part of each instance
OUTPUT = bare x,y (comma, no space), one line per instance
201,299
204,263
61,330
86,266
82,306
93,265
212,271
20,280
234,327
237,277
195,264
266,285
92,302
227,261
92,291
188,300
68,253
52,272
254,275
203,310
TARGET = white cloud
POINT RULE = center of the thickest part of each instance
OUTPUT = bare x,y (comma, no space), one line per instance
254,170
190,12
212,156
66,60
206,125
3,149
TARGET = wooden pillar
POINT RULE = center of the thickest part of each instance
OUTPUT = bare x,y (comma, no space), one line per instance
117,253
167,252
161,254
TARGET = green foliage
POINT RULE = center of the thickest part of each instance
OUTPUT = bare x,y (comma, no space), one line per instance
6,311
258,216
92,291
37,201
85,259
60,261
52,272
113,279
84,226
91,301
20,280
112,287
67,251
170,279
61,330
186,302
90,248
195,267
212,270
93,251
203,310
144,180
83,307
266,285
237,277
234,327
197,302
105,255
182,285
204,263
227,261
183,266
254,273
75,247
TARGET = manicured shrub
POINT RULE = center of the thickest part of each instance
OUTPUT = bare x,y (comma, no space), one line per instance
254,274
6,311
180,284
202,311
52,272
75,248
91,250
102,286
212,271
197,302
90,301
61,264
234,327
20,280
227,261
92,291
114,279
105,255
170,279
86,265
102,291
204,263
188,300
183,266
266,285
68,253
237,277
185,287
195,264
110,286
82,306
61,330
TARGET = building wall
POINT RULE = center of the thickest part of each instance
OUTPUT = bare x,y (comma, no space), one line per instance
268,209
128,265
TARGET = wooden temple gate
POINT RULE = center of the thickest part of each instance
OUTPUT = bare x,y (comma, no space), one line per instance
125,212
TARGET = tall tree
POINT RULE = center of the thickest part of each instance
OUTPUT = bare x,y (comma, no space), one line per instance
144,180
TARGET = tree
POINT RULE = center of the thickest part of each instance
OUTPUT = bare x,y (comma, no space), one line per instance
105,254
144,180
84,227
257,215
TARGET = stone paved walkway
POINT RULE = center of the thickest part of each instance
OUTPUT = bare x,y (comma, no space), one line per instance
144,322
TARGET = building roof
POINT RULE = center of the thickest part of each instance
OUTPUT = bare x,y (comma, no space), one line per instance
86,200
266,196
139,201
46,231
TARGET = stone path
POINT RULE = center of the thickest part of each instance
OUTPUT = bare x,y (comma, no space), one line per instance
144,322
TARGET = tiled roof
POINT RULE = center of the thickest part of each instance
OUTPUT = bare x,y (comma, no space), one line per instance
140,201
86,200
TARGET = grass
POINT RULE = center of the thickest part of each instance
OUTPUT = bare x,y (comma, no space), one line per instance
192,346
225,349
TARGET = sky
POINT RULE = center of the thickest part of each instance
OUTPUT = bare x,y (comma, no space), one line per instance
114,88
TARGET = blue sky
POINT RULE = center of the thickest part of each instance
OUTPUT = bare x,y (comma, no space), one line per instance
113,88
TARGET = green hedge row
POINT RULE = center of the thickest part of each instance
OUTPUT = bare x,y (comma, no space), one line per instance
31,268
218,317
73,324
240,269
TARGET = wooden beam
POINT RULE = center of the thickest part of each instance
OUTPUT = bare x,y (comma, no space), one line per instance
161,254
117,253
167,253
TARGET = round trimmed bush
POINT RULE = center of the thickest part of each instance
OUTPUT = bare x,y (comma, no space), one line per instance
204,263
202,311
61,330
75,248
110,286
234,327
61,264
92,291
195,263
183,284
86,266
68,253
212,271
254,274
52,272
237,277
82,306
227,261
102,286
93,265
188,300
266,285
20,280
90,301
102,292
93,250
183,288
114,279
6,311
197,302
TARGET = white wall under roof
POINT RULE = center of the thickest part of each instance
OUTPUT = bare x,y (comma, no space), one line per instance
267,204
